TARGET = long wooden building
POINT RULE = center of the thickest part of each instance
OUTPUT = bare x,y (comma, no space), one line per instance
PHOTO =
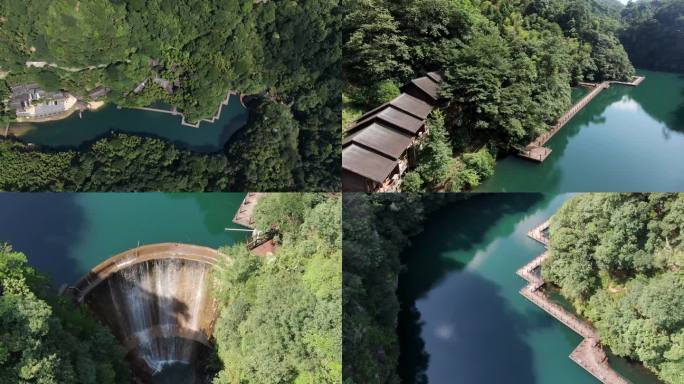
380,146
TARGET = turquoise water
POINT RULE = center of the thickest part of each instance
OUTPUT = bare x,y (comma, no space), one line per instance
74,131
626,139
463,319
67,234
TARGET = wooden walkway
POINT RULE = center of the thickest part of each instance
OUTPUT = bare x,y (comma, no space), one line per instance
589,354
245,214
536,151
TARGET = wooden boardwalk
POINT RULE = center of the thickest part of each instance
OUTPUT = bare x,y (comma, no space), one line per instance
245,214
536,151
589,354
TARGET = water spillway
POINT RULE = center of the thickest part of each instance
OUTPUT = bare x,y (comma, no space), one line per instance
157,302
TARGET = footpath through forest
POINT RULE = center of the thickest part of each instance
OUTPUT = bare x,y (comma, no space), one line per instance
589,354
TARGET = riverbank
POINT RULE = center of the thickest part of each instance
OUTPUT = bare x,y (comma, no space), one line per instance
461,303
74,132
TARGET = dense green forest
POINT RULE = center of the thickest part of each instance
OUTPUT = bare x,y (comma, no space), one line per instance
285,54
653,34
46,339
118,163
281,318
509,65
376,228
618,258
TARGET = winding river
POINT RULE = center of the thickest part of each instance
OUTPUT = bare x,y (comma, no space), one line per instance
75,131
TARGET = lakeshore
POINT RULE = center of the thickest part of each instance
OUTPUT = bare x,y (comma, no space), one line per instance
461,306
536,151
613,144
589,354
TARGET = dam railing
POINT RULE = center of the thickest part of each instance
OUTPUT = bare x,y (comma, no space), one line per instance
138,255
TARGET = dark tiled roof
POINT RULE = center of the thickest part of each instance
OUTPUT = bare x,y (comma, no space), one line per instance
367,163
427,85
412,105
387,141
394,117
381,136
436,76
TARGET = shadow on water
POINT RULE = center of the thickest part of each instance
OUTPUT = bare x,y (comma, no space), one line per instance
480,213
47,239
477,332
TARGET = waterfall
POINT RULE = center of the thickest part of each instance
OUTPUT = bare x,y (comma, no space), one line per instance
155,302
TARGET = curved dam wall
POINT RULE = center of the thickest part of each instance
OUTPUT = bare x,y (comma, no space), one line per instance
157,301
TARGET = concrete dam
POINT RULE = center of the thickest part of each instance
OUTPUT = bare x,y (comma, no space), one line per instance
157,301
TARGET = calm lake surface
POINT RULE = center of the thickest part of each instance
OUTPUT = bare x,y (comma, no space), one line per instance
66,234
626,139
74,131
463,320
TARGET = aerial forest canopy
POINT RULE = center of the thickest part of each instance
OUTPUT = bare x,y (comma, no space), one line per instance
47,339
618,258
509,64
653,34
285,54
281,318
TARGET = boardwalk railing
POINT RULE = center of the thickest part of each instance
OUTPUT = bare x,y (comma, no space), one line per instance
589,354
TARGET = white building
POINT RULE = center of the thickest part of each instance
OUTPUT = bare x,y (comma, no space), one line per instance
33,102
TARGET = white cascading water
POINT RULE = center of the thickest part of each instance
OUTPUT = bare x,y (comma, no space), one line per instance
155,299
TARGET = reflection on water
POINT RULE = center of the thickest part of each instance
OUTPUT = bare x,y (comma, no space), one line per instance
626,139
462,318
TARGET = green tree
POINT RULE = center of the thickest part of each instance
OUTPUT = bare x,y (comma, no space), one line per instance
46,339
268,334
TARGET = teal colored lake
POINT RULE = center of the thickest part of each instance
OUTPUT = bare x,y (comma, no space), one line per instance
463,320
626,139
74,131
67,234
